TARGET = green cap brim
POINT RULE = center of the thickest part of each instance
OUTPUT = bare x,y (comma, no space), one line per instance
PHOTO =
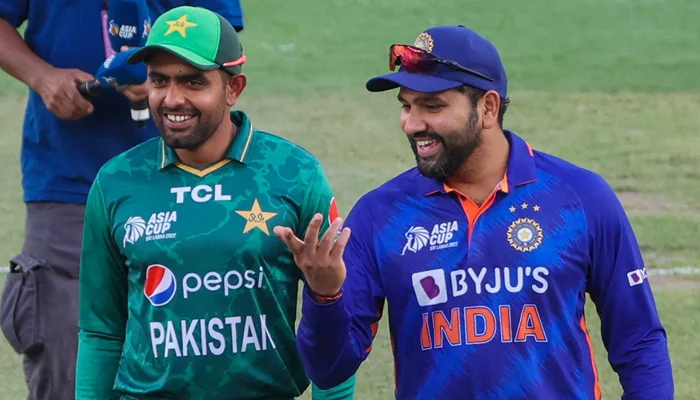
186,55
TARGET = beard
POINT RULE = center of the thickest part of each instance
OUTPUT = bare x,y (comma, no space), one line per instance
189,138
457,147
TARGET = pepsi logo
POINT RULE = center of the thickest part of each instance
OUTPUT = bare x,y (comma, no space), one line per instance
160,286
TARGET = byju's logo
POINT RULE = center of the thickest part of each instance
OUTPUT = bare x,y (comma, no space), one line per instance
430,287
637,276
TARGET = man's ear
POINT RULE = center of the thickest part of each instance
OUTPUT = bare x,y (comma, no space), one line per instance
490,106
234,88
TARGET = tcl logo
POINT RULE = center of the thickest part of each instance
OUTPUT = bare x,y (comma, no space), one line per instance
637,276
199,193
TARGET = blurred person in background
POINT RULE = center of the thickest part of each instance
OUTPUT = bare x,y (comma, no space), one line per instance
65,140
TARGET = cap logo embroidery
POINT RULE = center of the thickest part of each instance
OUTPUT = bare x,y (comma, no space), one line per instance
424,41
180,26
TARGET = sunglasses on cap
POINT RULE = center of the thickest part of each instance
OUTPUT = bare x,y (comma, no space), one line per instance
417,60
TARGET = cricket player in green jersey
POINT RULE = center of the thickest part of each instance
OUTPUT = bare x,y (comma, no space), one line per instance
185,293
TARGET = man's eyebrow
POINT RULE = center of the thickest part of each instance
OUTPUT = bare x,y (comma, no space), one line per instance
154,74
426,98
423,98
181,78
187,77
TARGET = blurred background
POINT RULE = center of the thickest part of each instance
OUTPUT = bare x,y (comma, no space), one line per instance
611,85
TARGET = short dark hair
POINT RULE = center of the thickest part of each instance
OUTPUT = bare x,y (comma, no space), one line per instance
475,94
225,76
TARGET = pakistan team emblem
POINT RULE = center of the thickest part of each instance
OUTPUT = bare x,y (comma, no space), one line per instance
525,234
256,218
135,228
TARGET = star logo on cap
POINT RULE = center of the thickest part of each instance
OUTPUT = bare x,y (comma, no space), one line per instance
424,41
180,26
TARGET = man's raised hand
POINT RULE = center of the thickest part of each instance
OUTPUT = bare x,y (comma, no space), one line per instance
321,261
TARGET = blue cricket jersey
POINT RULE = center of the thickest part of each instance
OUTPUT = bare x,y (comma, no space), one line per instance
488,302
59,159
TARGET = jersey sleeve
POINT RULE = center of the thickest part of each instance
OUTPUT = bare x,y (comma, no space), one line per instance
318,199
231,10
103,304
335,338
617,282
14,11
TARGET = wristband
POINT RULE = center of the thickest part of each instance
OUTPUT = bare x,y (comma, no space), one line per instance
325,298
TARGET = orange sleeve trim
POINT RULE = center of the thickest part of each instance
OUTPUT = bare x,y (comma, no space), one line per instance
597,390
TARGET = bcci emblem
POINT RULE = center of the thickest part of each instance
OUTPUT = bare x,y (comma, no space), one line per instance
424,41
525,234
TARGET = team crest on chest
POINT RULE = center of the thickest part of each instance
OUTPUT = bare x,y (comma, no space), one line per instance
256,218
525,234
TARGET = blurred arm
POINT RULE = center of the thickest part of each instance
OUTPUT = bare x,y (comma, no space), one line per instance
58,87
16,58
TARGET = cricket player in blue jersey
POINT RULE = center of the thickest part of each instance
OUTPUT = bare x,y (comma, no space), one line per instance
484,253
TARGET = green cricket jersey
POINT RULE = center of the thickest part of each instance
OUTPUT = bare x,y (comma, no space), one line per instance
185,291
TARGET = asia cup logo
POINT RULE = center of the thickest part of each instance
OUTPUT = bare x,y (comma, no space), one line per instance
113,28
146,28
416,238
134,229
160,285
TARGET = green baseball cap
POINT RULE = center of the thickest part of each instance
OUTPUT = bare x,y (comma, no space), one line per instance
200,37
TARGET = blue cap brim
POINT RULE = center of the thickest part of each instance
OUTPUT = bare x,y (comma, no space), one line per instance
416,82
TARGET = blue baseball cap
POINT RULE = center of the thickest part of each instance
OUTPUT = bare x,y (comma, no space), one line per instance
457,44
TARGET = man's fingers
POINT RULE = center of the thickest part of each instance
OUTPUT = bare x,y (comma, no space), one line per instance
289,238
340,243
324,247
79,76
311,237
134,94
83,106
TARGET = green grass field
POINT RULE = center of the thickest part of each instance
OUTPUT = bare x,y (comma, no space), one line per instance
608,84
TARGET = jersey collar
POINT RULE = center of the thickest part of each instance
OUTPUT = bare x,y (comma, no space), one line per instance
521,168
238,150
